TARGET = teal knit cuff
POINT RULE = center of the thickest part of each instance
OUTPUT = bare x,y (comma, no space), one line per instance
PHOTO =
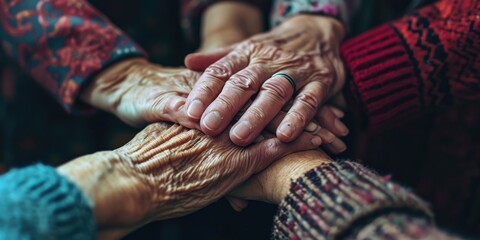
38,203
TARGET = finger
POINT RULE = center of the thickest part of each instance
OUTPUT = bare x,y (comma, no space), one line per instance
200,61
339,113
237,203
265,152
302,111
235,94
274,93
211,83
337,146
327,119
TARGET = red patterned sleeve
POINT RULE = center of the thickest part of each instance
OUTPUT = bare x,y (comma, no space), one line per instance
426,59
61,43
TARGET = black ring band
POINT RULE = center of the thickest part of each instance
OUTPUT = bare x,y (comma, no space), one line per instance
289,78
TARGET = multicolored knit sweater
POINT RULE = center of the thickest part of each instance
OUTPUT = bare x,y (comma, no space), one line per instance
336,200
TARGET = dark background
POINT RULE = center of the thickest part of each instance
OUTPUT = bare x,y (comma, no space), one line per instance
438,154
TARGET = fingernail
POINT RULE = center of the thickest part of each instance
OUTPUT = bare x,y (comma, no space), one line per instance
311,127
340,127
195,110
317,141
243,130
286,129
339,145
212,121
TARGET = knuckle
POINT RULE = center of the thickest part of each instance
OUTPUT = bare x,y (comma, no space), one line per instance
299,116
207,89
241,82
257,113
218,71
278,91
309,100
226,103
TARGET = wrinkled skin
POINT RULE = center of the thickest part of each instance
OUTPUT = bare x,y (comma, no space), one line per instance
306,48
139,92
168,171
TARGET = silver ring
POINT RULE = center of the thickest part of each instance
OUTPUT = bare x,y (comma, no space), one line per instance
289,78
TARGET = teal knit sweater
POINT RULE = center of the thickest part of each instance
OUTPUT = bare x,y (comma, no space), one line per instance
37,203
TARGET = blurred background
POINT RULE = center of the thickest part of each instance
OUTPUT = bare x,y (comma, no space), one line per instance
436,155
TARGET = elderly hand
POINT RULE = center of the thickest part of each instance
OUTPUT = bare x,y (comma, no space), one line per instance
304,47
139,92
169,171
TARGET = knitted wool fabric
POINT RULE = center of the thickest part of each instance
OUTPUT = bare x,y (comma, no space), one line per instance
347,201
428,58
38,203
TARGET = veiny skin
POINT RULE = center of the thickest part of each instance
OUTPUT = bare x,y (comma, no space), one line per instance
168,171
306,48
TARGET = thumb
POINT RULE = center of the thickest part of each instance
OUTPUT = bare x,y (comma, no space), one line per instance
200,61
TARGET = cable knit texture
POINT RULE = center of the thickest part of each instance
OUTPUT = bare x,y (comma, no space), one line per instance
334,199
425,59
38,203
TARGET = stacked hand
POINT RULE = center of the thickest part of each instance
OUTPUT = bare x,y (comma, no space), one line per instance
139,92
305,48
169,171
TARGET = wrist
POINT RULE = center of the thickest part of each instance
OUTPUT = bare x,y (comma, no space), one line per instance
326,27
104,177
107,87
226,23
300,163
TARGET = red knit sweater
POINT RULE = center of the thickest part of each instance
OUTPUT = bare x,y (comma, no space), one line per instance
428,58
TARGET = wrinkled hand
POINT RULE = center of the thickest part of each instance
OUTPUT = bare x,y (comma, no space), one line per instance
139,92
168,171
273,184
305,47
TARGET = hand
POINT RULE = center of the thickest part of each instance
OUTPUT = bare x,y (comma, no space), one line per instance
169,171
273,184
139,92
305,47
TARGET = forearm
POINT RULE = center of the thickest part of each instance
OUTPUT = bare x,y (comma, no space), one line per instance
62,43
226,23
347,200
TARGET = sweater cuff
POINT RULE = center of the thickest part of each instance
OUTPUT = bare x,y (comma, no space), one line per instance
383,84
399,226
38,203
340,9
332,199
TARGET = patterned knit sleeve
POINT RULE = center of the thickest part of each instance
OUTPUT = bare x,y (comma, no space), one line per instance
426,59
37,203
346,200
340,9
61,43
